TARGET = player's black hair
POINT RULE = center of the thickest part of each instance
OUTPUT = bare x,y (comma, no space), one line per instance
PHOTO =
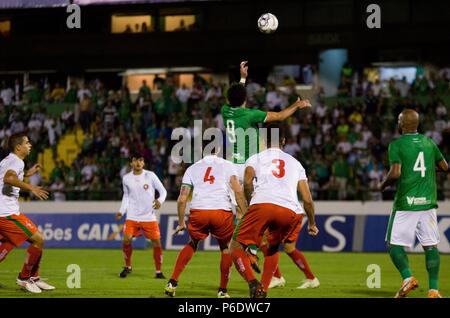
136,155
237,94
272,130
15,139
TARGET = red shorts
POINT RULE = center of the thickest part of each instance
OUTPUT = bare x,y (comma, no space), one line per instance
293,236
218,223
149,229
17,229
280,222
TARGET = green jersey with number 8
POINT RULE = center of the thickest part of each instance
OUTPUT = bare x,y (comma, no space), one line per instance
242,118
416,187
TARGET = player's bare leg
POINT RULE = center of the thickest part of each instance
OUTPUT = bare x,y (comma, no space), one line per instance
300,260
29,277
127,249
158,258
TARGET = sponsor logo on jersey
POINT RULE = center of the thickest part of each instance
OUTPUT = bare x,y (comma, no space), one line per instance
146,186
417,201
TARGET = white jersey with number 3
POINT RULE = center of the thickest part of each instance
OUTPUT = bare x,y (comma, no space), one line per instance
210,180
277,175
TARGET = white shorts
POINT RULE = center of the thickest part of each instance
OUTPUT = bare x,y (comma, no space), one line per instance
240,168
405,226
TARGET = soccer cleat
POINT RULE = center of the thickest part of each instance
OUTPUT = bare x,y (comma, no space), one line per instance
29,285
433,293
309,283
407,286
170,288
42,284
124,273
277,282
256,289
160,275
222,293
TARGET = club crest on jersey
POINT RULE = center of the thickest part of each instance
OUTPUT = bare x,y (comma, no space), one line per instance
146,186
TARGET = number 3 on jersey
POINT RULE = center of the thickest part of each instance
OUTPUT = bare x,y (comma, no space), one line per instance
420,165
278,170
208,177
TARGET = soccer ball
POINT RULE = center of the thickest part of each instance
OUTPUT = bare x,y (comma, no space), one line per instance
267,23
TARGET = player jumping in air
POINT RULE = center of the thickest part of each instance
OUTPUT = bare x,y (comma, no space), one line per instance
139,204
210,180
274,207
240,120
414,159
16,228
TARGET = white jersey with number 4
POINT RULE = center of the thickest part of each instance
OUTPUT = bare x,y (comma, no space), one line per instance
139,194
9,195
277,175
210,180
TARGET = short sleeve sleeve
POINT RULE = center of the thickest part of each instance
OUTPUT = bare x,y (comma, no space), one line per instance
258,116
302,173
251,162
394,154
17,166
187,179
437,153
231,170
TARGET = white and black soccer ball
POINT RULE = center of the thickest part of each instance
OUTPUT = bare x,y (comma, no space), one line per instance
267,23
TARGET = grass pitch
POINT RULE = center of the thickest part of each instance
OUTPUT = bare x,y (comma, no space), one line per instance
341,275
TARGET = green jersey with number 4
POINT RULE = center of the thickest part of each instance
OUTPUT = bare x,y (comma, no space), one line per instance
416,187
242,123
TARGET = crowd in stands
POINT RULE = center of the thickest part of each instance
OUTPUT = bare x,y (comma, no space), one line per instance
342,141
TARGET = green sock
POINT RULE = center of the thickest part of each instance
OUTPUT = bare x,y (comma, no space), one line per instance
400,260
432,262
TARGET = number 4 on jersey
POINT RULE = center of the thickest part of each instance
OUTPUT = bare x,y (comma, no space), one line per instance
420,165
208,177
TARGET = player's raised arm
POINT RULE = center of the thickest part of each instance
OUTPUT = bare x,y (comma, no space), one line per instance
287,112
181,206
248,182
308,205
394,173
12,179
239,195
244,72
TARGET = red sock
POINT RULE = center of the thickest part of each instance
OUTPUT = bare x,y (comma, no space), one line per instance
277,273
157,257
182,260
5,248
127,251
265,250
242,264
270,266
35,270
225,269
300,260
32,259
